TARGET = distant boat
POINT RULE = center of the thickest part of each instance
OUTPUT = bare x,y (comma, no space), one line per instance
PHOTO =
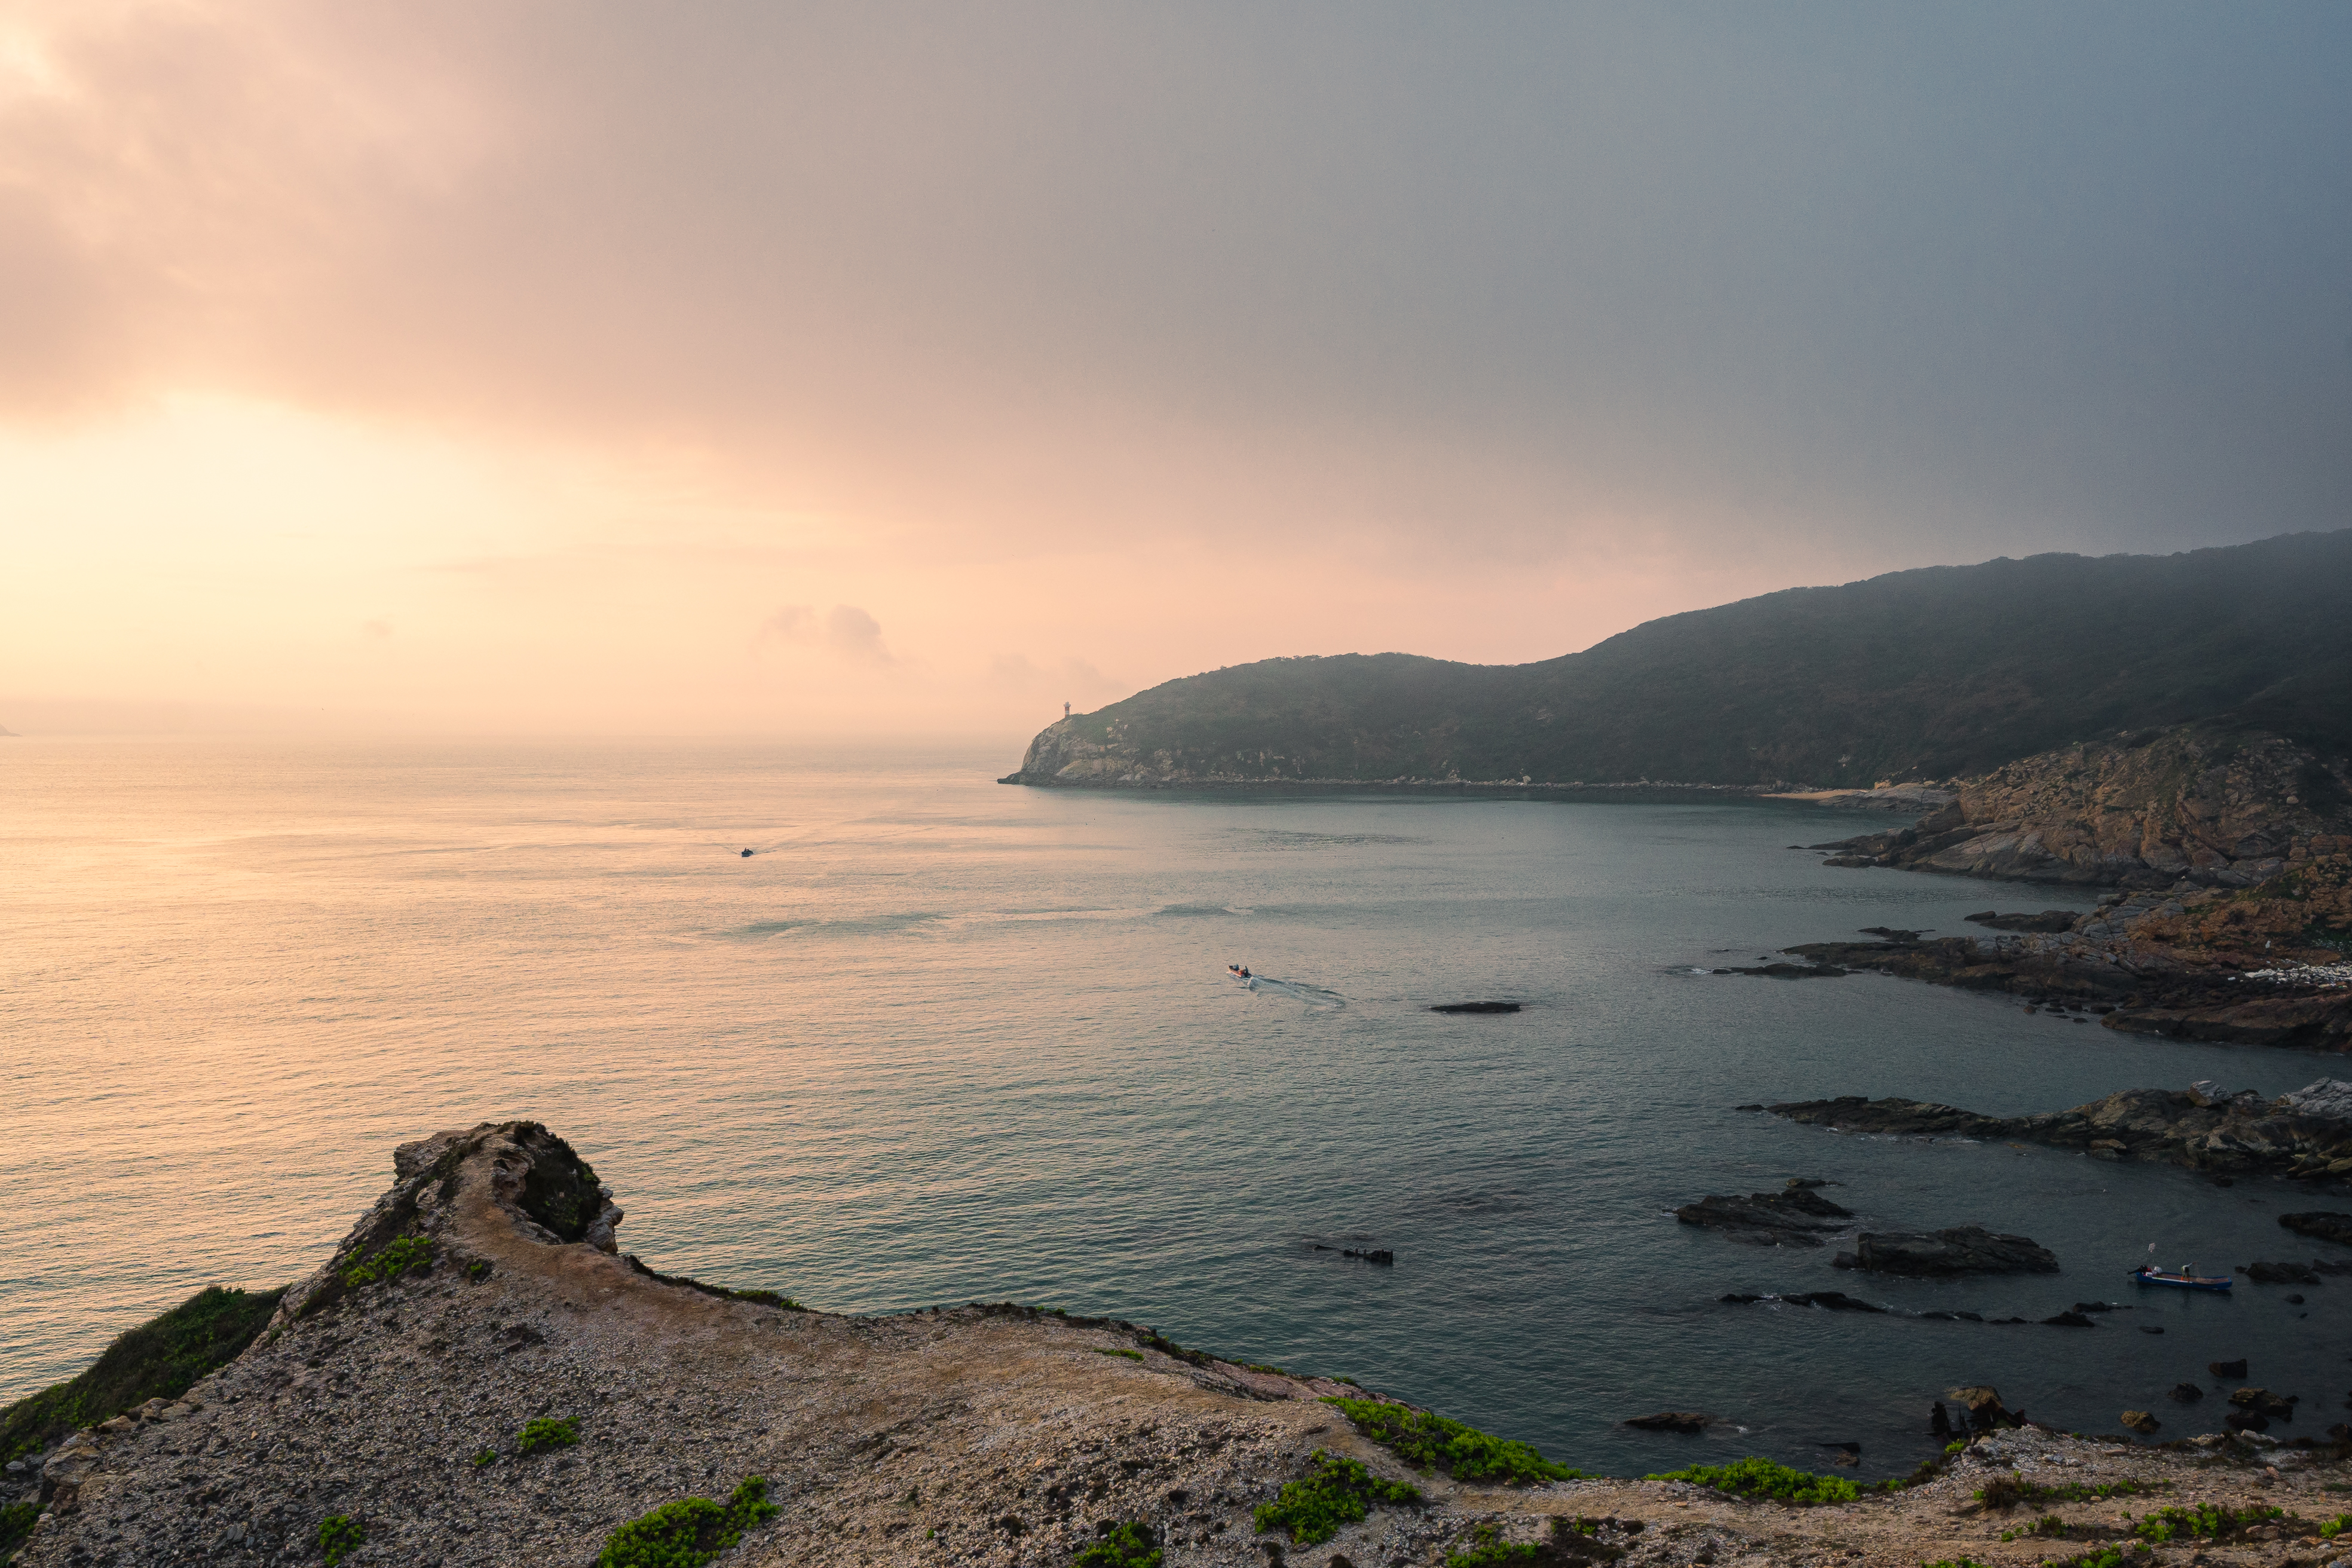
2145,1275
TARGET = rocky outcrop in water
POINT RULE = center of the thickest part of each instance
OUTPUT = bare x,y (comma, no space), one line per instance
1792,1218
1963,1249
2300,1135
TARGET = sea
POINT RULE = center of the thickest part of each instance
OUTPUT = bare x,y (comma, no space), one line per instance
942,1040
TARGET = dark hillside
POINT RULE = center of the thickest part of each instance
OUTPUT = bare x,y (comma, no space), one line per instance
1931,673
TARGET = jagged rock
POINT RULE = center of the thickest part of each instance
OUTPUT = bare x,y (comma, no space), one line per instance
1963,1249
2227,1369
2263,1402
1672,1421
2140,1421
2068,1320
2279,1273
2187,1392
1787,1218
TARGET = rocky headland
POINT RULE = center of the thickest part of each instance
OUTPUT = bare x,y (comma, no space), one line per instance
477,1375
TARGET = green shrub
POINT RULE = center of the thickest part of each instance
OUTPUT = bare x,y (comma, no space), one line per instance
15,1523
1762,1478
2336,1526
1427,1441
161,1359
547,1432
1130,1355
339,1533
2048,1524
485,1456
397,1257
1333,1493
688,1532
1953,1562
2201,1522
2105,1557
1128,1546
1487,1546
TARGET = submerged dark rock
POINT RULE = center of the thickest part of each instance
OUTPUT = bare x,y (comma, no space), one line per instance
2047,920
1790,971
2187,1392
2262,1273
2227,1369
1672,1421
1963,1249
1787,1218
1476,1008
2069,1321
2326,1225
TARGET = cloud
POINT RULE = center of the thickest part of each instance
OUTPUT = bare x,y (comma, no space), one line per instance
378,628
793,623
856,635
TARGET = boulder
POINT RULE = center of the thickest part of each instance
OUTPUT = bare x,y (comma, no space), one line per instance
2262,1273
2330,1098
2140,1421
2187,1392
1787,1218
2262,1402
1964,1249
2227,1369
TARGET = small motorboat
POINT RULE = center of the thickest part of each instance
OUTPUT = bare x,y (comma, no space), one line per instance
2148,1274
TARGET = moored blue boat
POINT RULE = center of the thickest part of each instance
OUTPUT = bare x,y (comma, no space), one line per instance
2180,1281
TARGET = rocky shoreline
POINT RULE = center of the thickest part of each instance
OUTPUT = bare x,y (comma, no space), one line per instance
477,1376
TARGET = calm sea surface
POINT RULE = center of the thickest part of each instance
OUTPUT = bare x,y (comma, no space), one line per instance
947,1040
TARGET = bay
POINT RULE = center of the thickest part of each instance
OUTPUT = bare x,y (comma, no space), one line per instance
944,1040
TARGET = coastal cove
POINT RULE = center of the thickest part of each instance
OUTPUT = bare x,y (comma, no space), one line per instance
945,1041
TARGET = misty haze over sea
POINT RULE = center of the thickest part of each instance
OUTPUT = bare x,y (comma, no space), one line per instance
944,1040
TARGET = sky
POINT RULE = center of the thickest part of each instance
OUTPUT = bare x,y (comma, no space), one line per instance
907,370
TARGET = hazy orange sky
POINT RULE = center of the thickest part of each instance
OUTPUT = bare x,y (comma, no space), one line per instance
778,370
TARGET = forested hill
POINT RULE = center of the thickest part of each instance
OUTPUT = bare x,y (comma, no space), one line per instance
1925,674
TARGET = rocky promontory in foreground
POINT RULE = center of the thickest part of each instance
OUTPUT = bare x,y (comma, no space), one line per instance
477,1376
2307,1133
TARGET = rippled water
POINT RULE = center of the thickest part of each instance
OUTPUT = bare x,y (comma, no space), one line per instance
950,1040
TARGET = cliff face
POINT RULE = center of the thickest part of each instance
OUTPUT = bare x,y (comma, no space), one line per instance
2216,809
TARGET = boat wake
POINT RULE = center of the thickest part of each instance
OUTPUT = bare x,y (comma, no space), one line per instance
1297,991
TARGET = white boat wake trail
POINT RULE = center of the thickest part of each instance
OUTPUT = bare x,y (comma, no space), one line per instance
1298,991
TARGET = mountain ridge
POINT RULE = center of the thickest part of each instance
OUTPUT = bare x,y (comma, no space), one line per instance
1930,672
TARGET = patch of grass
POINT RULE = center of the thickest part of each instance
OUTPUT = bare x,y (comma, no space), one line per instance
2011,1491
1427,1441
339,1533
161,1359
2105,1557
1128,1546
478,1270
688,1532
1130,1355
547,1432
399,1256
1261,1366
1954,1562
484,1458
2048,1524
1487,1546
2202,1522
1758,1478
1333,1493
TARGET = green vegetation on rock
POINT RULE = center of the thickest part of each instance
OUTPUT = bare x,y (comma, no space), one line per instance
724,1293
1486,1547
161,1359
688,1532
547,1432
402,1255
1128,1546
15,1523
1129,1355
1756,1477
2202,1522
339,1533
1429,1441
1333,1493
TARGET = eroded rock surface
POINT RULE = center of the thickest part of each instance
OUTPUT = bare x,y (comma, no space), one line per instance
1962,1249
1792,1218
